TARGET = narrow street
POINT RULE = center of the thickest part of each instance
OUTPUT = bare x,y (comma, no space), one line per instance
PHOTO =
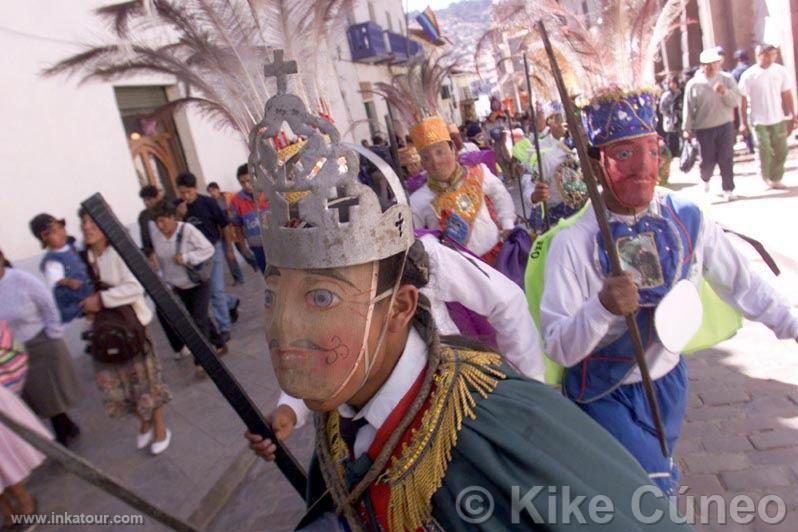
740,437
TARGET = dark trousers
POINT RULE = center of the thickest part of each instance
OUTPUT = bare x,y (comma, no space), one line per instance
252,261
717,148
197,301
673,139
260,257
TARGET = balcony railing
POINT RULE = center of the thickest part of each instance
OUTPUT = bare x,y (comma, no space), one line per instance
402,48
367,43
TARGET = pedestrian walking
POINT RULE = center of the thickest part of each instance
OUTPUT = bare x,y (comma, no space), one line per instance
670,107
204,213
52,386
767,93
247,213
223,201
709,101
17,459
132,384
179,248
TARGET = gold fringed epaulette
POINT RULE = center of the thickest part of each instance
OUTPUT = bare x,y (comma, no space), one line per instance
418,470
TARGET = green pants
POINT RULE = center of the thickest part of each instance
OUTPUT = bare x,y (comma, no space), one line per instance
772,144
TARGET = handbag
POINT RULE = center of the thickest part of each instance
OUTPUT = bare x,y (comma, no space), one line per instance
200,273
689,155
13,360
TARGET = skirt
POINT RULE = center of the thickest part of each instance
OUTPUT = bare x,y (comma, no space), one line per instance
17,458
133,387
52,386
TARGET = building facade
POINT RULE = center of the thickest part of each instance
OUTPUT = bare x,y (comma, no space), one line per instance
64,141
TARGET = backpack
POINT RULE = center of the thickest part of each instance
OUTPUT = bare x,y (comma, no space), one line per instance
116,334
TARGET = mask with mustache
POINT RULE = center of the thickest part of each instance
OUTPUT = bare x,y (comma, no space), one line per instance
319,328
630,170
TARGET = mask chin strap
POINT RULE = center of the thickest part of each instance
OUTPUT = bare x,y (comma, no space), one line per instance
364,350
390,292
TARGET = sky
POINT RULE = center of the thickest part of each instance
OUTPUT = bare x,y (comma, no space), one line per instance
418,5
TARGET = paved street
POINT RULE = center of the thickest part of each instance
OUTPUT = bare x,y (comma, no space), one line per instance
741,434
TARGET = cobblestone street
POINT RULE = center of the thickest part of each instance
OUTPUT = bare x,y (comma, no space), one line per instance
740,436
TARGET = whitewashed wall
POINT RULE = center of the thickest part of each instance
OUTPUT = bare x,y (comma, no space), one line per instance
61,142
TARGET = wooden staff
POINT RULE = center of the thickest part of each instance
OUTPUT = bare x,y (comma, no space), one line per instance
85,470
600,209
535,137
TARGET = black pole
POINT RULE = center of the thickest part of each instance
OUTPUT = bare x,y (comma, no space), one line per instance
394,140
534,132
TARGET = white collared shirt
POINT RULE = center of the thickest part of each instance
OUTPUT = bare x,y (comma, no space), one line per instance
574,323
379,407
484,232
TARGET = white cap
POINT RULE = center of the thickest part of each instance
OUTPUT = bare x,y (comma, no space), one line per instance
553,108
710,55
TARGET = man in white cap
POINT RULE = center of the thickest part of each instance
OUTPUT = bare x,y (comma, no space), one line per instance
709,102
767,92
560,192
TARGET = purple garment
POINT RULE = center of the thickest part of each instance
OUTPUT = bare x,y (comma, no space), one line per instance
473,158
470,324
415,182
514,255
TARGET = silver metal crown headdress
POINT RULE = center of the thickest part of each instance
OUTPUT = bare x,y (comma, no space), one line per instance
320,215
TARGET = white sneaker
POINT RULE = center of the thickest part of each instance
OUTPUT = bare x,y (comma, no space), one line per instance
706,186
160,446
729,195
777,185
143,440
183,353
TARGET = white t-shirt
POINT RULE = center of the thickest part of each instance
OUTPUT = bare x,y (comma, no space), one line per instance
763,88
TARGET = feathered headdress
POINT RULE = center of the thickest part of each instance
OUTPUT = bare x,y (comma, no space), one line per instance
414,94
216,49
615,47
617,54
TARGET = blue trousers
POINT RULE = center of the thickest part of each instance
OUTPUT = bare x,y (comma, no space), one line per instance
260,257
234,267
221,301
626,415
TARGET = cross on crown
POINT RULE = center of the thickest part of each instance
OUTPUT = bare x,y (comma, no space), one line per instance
280,69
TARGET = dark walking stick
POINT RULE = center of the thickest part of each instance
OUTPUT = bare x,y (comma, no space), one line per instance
535,136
